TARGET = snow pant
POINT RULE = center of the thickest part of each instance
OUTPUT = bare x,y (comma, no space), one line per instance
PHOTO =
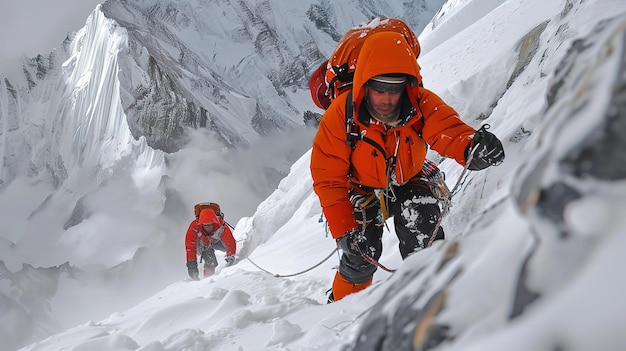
208,256
415,211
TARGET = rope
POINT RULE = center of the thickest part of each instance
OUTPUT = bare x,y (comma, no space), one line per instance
371,260
365,256
228,224
293,274
445,206
449,197
285,275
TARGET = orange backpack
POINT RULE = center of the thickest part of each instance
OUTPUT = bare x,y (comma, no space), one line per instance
335,75
197,208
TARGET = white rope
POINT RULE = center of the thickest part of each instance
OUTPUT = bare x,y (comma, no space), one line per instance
293,274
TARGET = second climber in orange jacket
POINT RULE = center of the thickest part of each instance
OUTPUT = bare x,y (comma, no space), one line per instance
369,153
209,232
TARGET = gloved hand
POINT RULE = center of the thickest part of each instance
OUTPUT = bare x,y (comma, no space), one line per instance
354,243
489,150
192,270
230,260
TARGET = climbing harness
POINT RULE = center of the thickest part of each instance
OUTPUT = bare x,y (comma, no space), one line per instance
431,175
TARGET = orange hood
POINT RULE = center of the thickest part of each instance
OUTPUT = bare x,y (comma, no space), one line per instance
208,216
383,53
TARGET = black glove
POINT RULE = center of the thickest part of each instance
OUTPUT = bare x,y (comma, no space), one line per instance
192,269
488,150
354,243
230,260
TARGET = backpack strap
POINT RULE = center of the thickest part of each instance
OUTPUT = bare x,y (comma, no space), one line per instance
353,133
352,130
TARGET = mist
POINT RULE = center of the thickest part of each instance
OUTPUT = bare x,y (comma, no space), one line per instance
73,261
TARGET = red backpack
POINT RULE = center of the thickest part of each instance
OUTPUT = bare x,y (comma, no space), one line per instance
334,76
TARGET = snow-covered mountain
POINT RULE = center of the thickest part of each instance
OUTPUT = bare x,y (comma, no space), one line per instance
107,141
534,246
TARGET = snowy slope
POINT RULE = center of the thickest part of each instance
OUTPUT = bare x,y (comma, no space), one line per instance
534,245
107,142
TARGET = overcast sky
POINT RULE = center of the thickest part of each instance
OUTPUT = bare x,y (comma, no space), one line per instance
34,27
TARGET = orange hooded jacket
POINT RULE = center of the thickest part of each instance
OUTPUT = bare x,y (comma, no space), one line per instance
221,233
426,120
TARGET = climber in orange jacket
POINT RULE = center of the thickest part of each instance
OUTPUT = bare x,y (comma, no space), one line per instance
206,234
368,155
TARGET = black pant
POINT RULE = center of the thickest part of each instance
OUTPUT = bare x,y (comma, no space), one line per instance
415,211
208,254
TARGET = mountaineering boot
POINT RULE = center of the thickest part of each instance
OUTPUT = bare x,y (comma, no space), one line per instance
331,297
342,287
